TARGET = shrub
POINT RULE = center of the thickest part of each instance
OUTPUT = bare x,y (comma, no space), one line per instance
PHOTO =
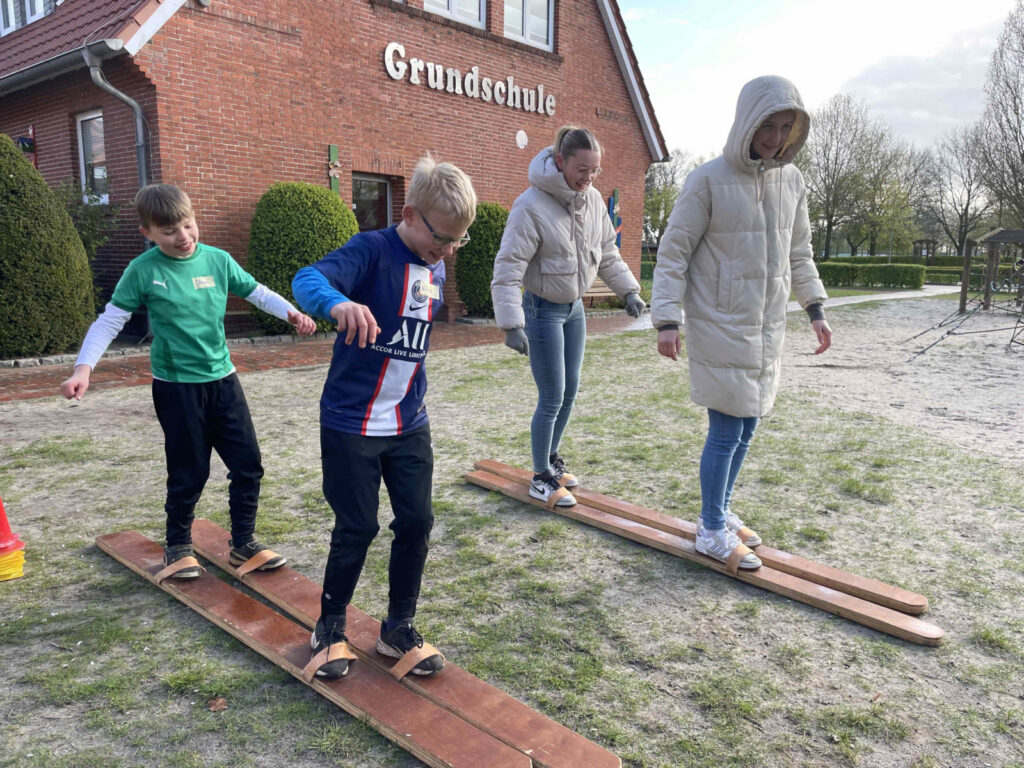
834,273
294,225
93,220
474,266
892,275
46,293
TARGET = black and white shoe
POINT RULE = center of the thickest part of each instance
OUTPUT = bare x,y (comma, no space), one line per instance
327,633
180,552
397,638
564,478
545,487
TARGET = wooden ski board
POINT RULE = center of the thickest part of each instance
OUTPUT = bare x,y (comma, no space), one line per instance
430,733
548,743
868,589
850,607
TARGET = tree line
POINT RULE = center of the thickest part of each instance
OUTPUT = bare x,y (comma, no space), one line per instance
871,192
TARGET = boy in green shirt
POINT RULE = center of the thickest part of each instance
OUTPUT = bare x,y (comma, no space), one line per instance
199,402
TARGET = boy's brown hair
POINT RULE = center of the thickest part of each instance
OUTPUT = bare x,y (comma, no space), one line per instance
162,205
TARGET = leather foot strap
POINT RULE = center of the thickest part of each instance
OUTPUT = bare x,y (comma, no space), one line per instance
733,563
177,565
405,664
254,562
745,533
555,496
566,478
332,652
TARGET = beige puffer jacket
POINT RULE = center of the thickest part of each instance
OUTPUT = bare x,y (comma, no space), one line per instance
556,241
737,240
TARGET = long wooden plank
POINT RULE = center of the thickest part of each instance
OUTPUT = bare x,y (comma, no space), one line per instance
430,733
871,590
548,743
842,604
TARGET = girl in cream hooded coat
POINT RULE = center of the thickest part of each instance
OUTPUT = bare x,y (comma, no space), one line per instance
557,240
737,241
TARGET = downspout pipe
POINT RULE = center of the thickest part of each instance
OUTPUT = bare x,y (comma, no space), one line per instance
95,70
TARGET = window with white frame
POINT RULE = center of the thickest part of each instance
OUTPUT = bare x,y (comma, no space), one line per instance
473,12
531,21
92,157
33,10
7,19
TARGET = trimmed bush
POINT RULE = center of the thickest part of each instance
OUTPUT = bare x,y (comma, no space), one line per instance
474,266
892,275
294,225
46,294
838,274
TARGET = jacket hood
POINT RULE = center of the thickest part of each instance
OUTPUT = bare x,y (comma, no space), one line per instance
758,99
545,176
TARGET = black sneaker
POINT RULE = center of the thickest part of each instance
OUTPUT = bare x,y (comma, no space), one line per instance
564,478
544,485
180,552
401,638
245,552
329,630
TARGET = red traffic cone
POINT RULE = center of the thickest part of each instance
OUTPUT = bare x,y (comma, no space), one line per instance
9,541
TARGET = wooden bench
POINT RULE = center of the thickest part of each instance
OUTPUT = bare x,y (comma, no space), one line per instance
598,293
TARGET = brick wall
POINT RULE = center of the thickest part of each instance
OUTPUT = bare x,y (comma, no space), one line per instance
242,95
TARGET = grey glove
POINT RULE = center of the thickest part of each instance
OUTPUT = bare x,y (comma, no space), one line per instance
515,338
634,305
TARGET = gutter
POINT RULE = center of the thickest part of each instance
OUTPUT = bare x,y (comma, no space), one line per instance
95,70
58,65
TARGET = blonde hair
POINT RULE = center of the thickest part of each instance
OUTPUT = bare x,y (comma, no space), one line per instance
442,187
570,139
163,205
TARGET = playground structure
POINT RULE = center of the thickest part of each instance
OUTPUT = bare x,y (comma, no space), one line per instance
1000,246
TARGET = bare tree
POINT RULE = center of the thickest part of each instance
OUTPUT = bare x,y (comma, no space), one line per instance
957,199
833,162
661,187
1002,147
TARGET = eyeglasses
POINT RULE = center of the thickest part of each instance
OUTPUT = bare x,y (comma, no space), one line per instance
591,172
442,240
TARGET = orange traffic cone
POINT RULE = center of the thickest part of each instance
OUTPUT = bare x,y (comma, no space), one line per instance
12,560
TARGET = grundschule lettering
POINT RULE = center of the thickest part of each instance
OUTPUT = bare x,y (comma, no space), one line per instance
450,80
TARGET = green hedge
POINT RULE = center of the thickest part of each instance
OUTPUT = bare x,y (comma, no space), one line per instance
474,266
294,225
46,293
646,270
933,261
872,275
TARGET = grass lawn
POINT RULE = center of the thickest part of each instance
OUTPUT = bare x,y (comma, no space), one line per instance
660,660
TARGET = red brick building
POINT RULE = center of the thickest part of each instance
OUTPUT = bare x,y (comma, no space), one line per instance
226,98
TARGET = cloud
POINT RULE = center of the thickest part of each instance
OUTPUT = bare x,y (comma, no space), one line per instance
924,97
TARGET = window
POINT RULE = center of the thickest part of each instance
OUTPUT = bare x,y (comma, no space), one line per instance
92,157
467,11
7,20
530,21
371,200
33,10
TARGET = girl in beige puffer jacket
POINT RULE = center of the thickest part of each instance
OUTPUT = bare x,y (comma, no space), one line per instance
737,241
558,238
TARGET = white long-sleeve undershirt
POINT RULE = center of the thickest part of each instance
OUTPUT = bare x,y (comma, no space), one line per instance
106,327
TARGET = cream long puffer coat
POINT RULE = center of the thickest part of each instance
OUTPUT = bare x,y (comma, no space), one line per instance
738,239
555,242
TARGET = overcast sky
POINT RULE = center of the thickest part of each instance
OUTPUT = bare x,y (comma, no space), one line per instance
919,64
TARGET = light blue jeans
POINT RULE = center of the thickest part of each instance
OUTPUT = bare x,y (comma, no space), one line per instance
558,337
724,451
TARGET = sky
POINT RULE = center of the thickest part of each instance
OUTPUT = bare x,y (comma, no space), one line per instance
919,65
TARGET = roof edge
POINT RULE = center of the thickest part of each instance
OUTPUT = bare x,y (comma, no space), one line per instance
637,94
149,20
58,65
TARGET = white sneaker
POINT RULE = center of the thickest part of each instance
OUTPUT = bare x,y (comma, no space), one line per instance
734,524
720,544
564,478
544,486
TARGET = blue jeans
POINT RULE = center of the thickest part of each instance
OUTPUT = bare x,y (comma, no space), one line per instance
558,337
724,451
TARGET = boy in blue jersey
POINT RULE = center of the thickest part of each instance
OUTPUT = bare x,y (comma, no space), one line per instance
184,285
384,289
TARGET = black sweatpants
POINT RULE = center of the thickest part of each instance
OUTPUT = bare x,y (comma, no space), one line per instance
353,466
197,418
